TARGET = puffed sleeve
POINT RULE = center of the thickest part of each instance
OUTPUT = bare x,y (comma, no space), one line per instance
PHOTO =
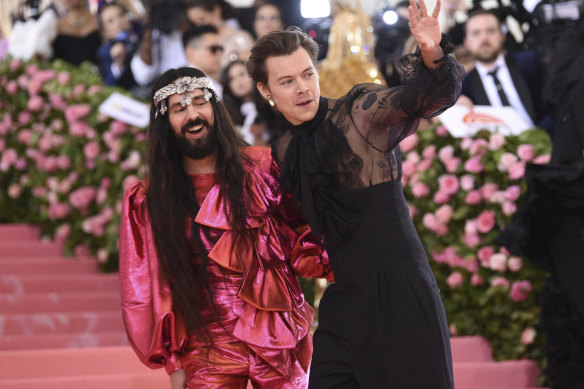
394,113
150,323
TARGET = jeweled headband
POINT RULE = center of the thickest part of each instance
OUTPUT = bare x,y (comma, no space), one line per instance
182,85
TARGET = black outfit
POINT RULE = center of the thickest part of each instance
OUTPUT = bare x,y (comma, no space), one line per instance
527,72
382,323
548,227
75,50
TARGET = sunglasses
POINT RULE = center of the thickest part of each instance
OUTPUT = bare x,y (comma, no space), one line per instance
214,49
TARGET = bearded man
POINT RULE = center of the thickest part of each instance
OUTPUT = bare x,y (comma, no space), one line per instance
209,252
499,78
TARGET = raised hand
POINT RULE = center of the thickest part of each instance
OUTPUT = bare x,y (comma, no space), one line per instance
424,27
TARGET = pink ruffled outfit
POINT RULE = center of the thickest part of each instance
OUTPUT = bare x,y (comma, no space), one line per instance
256,292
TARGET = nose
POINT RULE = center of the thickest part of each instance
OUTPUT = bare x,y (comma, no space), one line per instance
192,111
302,87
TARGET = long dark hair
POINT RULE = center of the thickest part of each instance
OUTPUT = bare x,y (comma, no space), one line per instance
170,201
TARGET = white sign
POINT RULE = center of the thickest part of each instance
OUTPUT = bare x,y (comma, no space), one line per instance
126,109
461,121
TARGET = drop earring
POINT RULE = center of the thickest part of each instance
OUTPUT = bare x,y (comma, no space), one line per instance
270,101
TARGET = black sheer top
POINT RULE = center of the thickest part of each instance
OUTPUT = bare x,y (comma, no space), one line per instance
352,142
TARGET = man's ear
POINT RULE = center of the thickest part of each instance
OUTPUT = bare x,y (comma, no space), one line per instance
264,91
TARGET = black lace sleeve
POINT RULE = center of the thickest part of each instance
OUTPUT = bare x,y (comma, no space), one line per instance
387,115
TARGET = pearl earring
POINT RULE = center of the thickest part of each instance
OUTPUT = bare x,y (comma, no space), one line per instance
270,101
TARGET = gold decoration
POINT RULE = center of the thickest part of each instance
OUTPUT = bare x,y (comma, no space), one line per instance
349,59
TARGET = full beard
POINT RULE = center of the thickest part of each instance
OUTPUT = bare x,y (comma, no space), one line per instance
488,55
197,148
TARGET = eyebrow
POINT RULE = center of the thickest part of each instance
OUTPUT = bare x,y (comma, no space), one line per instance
192,98
282,77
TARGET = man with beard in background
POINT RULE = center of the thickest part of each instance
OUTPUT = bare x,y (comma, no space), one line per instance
209,253
501,79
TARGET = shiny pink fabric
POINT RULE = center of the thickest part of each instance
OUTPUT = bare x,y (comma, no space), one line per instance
256,292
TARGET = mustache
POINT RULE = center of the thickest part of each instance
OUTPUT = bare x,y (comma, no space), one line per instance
194,123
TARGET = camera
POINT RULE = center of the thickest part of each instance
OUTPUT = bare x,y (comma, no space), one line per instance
165,15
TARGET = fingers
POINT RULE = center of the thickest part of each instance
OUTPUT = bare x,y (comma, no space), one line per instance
423,9
413,11
436,11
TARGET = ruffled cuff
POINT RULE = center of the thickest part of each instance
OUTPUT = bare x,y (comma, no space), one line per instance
173,364
308,258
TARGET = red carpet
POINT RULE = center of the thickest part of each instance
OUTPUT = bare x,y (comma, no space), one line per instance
61,328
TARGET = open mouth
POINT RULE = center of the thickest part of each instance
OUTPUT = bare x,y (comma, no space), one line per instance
195,130
304,103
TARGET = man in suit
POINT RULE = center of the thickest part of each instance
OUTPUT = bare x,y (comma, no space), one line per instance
501,79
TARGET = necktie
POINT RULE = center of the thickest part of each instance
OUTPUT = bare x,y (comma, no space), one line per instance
499,87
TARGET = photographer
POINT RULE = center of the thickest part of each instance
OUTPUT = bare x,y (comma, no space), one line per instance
161,47
120,37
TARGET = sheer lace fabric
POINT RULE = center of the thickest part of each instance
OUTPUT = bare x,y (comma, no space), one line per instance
352,143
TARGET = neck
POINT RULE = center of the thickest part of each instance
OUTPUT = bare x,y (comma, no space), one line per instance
200,166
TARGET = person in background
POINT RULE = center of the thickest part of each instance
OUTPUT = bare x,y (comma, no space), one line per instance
382,323
242,100
210,250
548,227
78,37
203,50
499,79
121,37
236,41
267,18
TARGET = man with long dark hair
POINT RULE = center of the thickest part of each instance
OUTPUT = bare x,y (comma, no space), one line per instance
208,252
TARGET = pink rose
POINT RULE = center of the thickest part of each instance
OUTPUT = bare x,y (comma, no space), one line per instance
448,184
408,168
79,129
500,281
452,164
488,190
452,329
82,197
473,197
429,152
420,190
525,152
496,141
94,89
14,191
50,164
32,69
409,143
81,250
430,222
476,280
486,221
12,88
15,64
24,117
542,159
77,111
508,208
517,170
424,165
413,210
515,264
478,147
513,192
444,214
498,262
446,153
474,165
118,128
442,131
21,164
78,90
528,336
9,158
34,87
467,182
63,77
471,239
454,280
465,143
506,160
58,211
91,150
35,103
441,197
520,290
484,255
57,102
63,162
25,136
102,255
62,232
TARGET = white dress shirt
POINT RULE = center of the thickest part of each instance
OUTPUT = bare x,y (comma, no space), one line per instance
508,87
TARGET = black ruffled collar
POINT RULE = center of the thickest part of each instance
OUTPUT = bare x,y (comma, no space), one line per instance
309,126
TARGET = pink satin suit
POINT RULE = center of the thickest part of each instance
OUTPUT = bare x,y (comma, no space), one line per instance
256,293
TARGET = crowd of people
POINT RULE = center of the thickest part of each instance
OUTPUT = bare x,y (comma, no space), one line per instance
328,192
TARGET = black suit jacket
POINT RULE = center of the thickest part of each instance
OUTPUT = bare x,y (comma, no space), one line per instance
527,73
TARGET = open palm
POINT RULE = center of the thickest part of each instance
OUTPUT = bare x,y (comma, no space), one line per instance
424,27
